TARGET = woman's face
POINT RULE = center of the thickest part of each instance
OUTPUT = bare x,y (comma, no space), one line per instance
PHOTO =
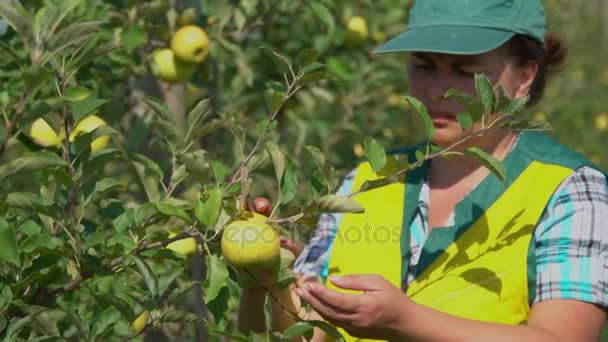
432,74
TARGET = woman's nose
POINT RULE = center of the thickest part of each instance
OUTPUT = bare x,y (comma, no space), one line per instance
435,93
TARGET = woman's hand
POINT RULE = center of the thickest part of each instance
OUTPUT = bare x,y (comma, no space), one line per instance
378,313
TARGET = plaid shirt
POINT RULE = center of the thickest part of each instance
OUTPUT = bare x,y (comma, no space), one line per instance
571,239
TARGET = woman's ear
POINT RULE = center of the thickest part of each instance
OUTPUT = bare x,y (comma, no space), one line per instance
527,74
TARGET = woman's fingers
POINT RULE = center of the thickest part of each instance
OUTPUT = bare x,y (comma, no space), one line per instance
291,245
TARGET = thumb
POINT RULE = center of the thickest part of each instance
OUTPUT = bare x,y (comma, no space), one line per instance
361,282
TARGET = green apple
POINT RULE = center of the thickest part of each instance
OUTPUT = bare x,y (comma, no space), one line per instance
171,69
251,243
88,124
190,44
44,135
140,322
186,246
356,30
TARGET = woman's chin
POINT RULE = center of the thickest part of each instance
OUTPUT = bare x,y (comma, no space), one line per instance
446,136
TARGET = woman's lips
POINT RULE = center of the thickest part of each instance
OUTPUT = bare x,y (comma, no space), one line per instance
442,118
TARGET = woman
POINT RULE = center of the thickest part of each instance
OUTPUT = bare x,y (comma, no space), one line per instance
451,253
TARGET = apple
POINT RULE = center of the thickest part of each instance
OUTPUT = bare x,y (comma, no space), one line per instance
251,243
140,322
356,30
601,122
88,124
44,135
186,246
171,69
190,44
358,150
187,17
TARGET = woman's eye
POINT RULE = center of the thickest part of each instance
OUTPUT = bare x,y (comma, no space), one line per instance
424,66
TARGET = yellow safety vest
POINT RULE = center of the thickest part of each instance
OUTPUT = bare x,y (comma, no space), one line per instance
478,270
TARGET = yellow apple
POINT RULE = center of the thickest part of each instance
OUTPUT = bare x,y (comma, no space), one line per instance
356,30
358,150
251,243
44,135
190,43
395,100
140,322
186,246
171,69
601,122
88,124
187,17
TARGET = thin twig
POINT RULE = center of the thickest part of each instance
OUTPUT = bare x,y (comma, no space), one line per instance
11,126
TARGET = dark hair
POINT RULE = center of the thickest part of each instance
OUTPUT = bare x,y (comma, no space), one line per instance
549,58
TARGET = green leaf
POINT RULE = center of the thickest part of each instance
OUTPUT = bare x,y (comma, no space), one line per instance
299,329
16,324
328,329
307,56
160,108
217,276
36,241
150,175
375,153
6,296
76,94
167,278
278,160
30,202
289,186
18,18
195,120
485,92
104,322
281,61
83,108
312,67
76,34
34,77
39,110
30,228
338,204
274,100
174,316
312,77
9,250
324,14
134,37
488,161
473,106
102,187
465,120
148,275
173,211
268,314
176,295
423,114
231,336
207,209
377,183
120,304
92,51
3,323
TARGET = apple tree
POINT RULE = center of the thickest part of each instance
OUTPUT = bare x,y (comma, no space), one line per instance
134,132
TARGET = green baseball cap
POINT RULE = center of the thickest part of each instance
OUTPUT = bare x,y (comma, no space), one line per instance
467,26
